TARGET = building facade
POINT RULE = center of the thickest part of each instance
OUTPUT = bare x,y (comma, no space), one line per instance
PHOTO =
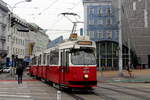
24,39
3,28
101,24
38,39
136,29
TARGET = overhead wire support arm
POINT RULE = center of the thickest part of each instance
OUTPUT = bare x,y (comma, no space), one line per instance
74,23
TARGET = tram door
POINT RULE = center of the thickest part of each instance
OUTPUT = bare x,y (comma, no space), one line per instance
64,65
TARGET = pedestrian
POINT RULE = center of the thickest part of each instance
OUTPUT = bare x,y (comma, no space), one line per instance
19,72
128,68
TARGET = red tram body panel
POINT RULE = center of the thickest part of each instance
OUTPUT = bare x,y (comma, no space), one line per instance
35,70
44,74
40,71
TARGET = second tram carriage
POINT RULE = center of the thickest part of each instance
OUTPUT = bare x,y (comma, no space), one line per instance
71,64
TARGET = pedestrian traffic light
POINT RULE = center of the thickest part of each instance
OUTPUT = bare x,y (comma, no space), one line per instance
12,21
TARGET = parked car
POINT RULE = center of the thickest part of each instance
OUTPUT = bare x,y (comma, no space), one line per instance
1,70
6,69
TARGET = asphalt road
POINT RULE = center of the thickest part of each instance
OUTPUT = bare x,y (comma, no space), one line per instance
8,76
37,90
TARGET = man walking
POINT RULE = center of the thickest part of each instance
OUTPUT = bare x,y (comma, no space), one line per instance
19,72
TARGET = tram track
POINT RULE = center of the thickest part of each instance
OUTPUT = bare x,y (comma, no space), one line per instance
131,88
75,96
104,96
92,93
126,93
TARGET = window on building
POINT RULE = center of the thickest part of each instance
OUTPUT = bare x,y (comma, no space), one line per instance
91,10
20,51
16,51
13,30
8,39
100,12
108,21
145,18
20,42
109,34
23,52
100,21
88,33
108,11
134,5
13,50
91,34
8,48
54,57
91,21
99,33
15,40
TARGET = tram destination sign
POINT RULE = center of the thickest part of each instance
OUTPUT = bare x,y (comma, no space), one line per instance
84,42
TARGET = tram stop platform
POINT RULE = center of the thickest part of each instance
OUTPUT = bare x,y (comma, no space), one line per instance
138,76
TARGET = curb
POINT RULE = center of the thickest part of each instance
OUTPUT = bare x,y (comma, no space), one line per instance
126,81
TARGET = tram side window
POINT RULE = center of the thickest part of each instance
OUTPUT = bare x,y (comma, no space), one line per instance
44,58
63,58
35,61
32,62
39,60
48,61
54,57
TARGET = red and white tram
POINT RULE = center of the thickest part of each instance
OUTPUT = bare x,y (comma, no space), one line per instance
71,64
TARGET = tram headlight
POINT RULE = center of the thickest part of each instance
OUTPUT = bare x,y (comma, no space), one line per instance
86,76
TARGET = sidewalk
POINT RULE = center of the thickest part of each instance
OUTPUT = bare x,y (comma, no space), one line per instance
139,76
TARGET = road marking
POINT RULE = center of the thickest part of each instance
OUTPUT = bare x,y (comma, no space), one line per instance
4,92
20,96
16,80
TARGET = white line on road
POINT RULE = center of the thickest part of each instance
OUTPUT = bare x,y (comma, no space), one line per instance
3,92
20,96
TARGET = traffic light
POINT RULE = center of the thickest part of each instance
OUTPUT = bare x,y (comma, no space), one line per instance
12,21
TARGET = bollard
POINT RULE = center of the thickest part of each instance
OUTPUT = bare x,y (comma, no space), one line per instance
58,95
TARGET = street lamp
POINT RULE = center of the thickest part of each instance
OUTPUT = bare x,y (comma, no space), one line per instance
120,40
12,8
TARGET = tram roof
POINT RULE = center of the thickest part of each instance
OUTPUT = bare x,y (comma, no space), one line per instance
71,44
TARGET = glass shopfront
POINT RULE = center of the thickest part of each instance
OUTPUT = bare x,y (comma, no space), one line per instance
108,54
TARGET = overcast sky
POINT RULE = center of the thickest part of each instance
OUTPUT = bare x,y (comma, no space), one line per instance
46,14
